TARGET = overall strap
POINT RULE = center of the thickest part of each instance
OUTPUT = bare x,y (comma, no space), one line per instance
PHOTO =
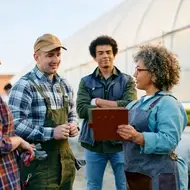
62,89
133,104
158,99
154,103
65,98
39,88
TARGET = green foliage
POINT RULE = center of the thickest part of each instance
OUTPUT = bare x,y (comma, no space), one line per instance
188,115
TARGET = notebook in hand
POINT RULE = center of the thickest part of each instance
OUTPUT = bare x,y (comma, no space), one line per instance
105,121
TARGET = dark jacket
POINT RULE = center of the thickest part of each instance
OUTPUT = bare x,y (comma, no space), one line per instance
121,89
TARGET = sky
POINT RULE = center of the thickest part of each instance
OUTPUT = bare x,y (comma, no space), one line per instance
22,21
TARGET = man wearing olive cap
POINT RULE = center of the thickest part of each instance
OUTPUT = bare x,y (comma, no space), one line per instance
44,111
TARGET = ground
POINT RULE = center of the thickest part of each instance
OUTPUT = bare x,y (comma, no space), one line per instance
79,184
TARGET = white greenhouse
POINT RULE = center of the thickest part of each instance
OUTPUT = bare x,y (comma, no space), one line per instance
132,23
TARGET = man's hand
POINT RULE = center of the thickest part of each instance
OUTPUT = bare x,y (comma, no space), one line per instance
73,130
102,103
61,132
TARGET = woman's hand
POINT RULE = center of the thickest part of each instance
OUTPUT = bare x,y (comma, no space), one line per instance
128,132
24,145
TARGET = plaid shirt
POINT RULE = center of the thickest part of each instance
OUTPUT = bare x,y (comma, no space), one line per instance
28,106
9,171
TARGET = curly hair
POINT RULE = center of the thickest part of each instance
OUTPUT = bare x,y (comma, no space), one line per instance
162,63
103,40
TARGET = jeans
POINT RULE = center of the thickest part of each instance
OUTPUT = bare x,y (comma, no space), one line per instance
95,167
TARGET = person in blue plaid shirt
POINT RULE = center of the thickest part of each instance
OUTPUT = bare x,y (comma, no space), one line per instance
44,111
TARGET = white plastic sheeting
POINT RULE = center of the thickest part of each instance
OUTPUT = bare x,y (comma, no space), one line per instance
132,23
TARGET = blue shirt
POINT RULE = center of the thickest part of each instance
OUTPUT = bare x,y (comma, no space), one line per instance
166,121
29,109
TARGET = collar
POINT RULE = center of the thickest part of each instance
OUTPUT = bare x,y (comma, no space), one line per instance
98,73
42,76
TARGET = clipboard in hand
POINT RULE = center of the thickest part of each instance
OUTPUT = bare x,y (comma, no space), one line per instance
105,121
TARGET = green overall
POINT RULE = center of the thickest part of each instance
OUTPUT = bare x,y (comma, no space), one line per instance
57,171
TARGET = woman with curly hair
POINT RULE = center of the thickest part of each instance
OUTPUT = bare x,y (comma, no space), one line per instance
156,123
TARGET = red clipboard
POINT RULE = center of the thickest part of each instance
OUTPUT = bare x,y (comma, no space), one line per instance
105,122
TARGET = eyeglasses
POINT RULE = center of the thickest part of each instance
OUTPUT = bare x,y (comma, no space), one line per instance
139,70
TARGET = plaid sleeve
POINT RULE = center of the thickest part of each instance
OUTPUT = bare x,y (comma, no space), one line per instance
20,101
72,115
5,142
